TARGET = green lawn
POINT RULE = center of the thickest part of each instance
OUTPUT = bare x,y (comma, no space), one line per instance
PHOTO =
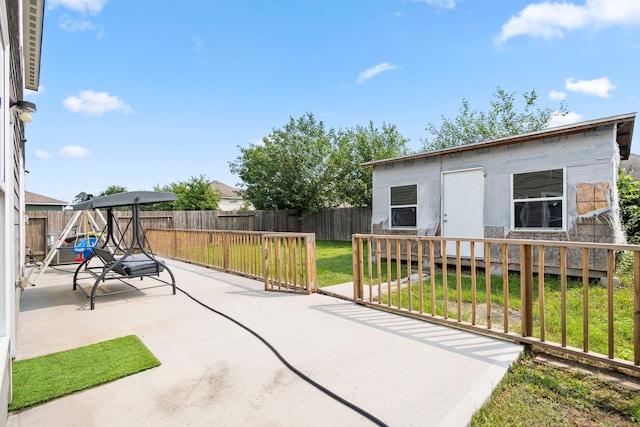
598,300
333,262
538,394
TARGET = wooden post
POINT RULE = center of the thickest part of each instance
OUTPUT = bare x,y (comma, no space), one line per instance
543,325
357,262
585,300
310,250
610,305
458,281
226,248
636,308
445,289
487,279
563,295
473,281
265,261
526,288
505,287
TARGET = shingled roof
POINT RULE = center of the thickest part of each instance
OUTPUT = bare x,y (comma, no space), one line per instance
38,199
227,192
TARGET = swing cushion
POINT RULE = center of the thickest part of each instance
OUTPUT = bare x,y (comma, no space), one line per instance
132,265
140,264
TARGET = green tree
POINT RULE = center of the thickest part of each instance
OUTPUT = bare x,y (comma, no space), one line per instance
81,196
112,189
290,169
629,201
194,194
305,167
353,182
501,120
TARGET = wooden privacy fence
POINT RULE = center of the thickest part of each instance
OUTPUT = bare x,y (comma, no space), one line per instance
285,261
597,319
328,224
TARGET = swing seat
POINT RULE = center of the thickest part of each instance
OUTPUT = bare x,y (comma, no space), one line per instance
133,265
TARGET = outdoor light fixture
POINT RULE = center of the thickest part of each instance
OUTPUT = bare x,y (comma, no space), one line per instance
25,108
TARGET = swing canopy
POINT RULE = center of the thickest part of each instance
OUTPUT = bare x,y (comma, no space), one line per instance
129,198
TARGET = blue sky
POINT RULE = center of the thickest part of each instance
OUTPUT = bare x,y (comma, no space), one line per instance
144,93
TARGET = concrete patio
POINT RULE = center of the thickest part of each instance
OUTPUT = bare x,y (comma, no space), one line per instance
214,373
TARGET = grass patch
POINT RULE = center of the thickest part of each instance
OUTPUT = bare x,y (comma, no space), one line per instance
334,261
48,377
598,333
537,394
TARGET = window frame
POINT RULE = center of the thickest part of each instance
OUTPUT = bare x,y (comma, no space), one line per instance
562,198
392,207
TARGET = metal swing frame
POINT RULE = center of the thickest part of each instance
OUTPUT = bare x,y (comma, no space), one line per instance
117,259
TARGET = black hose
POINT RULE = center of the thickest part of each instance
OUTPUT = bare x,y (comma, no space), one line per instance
293,369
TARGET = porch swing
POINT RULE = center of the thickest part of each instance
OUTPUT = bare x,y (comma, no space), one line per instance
121,255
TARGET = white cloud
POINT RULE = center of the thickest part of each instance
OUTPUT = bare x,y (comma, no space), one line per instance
92,7
374,71
557,95
71,25
558,119
74,151
95,103
553,19
449,4
42,155
598,87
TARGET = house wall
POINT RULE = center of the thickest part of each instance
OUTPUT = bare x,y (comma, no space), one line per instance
230,204
6,219
11,191
591,160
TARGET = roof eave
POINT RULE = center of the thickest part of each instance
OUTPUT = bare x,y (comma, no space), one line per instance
32,25
625,123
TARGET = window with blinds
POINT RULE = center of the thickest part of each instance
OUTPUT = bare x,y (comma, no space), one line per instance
538,200
404,206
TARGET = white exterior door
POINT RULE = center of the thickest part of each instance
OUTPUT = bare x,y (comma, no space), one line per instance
462,209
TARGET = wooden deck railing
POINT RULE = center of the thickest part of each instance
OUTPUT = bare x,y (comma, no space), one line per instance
290,262
543,293
285,261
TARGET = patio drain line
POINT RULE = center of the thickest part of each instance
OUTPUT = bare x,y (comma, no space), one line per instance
292,368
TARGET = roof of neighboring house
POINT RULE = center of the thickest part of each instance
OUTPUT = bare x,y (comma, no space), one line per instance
632,166
33,15
226,191
39,199
624,123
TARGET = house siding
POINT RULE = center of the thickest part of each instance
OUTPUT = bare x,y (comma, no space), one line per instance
12,247
590,160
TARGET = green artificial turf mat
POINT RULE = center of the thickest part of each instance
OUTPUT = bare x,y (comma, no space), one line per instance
54,375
